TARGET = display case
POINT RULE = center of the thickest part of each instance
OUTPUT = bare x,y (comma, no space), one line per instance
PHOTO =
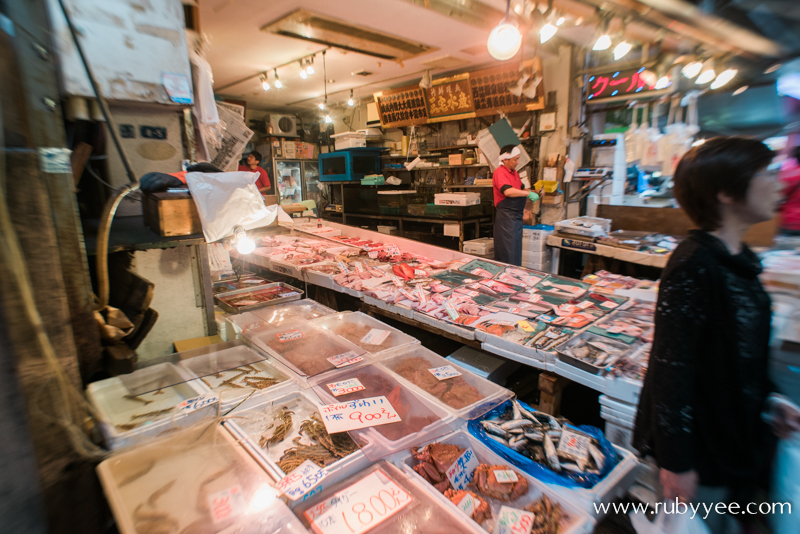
312,188
289,180
349,165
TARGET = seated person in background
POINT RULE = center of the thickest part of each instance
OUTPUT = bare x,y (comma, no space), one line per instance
157,182
252,161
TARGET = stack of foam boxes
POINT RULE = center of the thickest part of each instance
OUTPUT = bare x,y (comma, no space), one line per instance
536,254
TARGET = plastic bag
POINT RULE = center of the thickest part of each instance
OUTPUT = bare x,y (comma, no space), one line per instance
539,470
786,484
670,523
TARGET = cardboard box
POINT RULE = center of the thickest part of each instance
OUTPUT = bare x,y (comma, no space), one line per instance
457,199
196,343
555,199
171,214
456,159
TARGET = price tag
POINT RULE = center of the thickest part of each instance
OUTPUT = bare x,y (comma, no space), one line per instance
226,504
373,254
505,476
546,283
463,470
291,335
513,521
377,273
450,309
526,326
372,411
568,308
302,480
468,504
546,318
609,305
375,337
574,445
534,298
343,360
444,372
552,335
615,330
345,387
359,267
408,295
343,267
397,281
585,304
359,508
421,294
419,273
191,405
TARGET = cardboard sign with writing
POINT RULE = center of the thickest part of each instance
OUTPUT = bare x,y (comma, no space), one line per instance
372,411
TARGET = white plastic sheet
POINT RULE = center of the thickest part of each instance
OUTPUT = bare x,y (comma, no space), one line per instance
670,523
229,199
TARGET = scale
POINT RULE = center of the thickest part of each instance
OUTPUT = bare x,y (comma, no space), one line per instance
603,182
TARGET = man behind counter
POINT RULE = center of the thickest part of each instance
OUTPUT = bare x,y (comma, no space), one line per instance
252,161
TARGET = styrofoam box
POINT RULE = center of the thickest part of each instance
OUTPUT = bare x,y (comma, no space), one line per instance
457,199
353,142
250,423
545,267
516,356
619,430
505,344
618,406
490,393
534,238
483,246
465,333
319,279
111,399
598,226
581,521
483,364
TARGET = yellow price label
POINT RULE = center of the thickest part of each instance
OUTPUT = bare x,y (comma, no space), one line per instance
526,326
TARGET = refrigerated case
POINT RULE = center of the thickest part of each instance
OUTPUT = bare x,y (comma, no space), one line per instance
289,180
312,188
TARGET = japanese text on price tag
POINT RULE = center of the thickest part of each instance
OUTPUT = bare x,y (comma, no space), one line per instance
191,405
609,304
419,273
343,360
397,281
505,476
358,266
343,267
468,504
291,335
302,480
361,507
226,504
375,337
585,304
373,254
372,411
421,294
513,521
451,310
444,372
345,387
463,470
574,445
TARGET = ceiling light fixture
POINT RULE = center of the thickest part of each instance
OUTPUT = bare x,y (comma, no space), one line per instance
547,32
322,105
278,83
691,70
328,119
724,77
264,81
560,21
707,73
604,41
505,39
351,102
621,50
741,90
309,65
663,82
303,73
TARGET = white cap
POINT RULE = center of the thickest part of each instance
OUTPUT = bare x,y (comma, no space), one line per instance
513,154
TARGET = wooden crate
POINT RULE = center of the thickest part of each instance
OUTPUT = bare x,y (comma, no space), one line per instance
171,214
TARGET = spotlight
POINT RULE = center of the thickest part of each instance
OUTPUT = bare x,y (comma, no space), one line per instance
622,49
309,65
278,83
692,69
724,77
547,32
505,39
351,102
707,73
264,82
560,21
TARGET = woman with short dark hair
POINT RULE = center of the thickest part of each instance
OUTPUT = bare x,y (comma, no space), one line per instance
706,387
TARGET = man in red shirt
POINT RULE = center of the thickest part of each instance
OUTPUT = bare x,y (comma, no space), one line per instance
790,210
509,201
263,183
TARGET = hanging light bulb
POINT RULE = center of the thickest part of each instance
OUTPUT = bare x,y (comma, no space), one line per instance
278,83
350,101
264,82
547,32
724,77
663,82
604,41
244,245
622,49
707,73
321,105
309,67
505,39
328,119
303,73
560,21
691,70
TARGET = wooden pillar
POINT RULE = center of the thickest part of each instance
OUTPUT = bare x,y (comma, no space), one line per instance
550,389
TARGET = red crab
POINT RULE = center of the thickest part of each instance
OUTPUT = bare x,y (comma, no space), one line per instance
487,483
481,512
434,459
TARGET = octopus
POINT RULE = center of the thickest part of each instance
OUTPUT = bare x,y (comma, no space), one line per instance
455,392
486,482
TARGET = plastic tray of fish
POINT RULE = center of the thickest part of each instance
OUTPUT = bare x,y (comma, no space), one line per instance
244,282
484,269
129,420
460,331
250,299
541,339
553,512
516,276
563,287
321,274
592,353
283,432
420,418
367,332
174,485
466,394
394,502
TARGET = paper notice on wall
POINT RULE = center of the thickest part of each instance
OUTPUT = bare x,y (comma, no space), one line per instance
234,139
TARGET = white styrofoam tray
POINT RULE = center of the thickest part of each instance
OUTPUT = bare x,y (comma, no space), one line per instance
465,333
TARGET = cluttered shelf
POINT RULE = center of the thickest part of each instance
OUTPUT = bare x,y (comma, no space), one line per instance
130,233
432,154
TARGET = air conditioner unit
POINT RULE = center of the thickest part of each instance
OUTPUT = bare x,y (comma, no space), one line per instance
282,125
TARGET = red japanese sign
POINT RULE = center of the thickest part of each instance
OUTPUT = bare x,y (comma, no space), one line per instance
617,85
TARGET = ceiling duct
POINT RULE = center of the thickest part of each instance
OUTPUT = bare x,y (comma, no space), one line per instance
321,29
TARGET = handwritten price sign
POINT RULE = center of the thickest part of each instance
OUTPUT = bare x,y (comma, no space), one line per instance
345,387
444,372
291,335
226,504
372,411
191,405
302,480
574,445
463,470
343,360
513,521
359,508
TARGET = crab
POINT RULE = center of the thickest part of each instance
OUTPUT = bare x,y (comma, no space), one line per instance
487,483
482,510
434,459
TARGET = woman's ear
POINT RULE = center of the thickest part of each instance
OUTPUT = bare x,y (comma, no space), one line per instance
725,199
